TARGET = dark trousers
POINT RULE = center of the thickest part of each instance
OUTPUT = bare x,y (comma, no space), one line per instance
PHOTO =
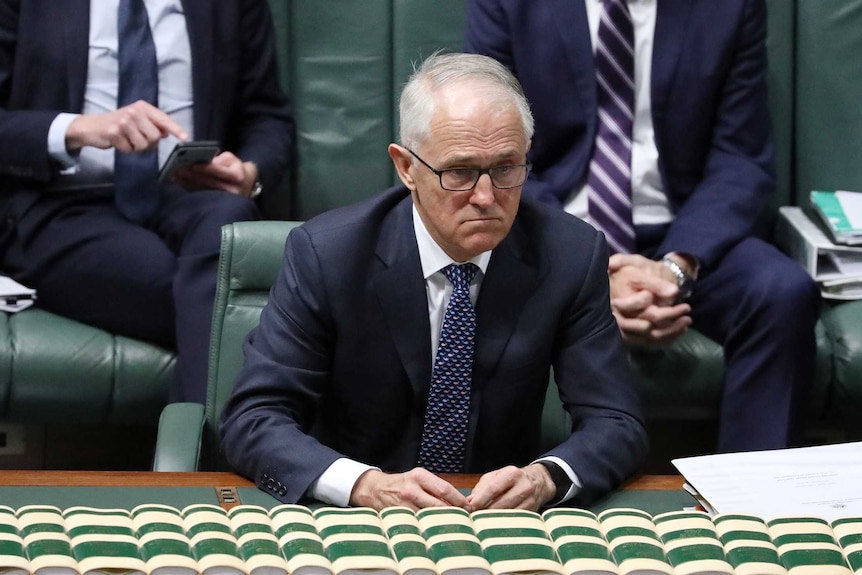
154,283
762,307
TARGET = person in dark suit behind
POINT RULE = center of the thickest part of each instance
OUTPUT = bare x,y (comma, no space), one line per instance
79,104
670,112
340,397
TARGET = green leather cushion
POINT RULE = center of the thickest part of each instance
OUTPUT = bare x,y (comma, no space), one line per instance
684,381
56,370
844,327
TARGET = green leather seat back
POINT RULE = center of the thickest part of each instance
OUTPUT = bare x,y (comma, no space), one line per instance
279,205
347,62
251,258
828,144
344,64
828,96
780,47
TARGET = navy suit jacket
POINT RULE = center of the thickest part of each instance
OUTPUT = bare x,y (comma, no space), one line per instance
340,364
709,109
43,71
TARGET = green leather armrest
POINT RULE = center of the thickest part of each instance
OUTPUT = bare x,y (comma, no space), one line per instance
179,439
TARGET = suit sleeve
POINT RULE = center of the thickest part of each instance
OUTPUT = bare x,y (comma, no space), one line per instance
597,387
23,133
738,174
489,32
265,124
266,422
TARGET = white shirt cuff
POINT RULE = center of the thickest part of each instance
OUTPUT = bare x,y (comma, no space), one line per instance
335,485
57,143
576,482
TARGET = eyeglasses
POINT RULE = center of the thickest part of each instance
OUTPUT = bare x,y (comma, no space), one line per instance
463,179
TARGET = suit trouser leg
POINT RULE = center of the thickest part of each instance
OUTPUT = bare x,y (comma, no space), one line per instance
90,264
190,224
762,307
155,284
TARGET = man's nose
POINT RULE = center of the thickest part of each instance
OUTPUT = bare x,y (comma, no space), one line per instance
483,191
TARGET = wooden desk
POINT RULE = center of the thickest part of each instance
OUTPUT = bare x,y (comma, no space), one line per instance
215,479
128,488
644,482
120,479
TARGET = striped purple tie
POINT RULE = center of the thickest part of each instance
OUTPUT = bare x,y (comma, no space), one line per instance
609,185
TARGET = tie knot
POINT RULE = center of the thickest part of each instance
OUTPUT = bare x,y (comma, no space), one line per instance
460,275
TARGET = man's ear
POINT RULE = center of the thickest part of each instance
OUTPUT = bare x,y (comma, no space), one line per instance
402,160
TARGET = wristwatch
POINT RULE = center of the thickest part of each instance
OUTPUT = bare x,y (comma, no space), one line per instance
256,190
560,478
684,281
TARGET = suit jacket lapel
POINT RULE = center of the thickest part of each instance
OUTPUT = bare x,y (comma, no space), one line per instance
509,280
200,20
573,26
401,291
670,29
76,30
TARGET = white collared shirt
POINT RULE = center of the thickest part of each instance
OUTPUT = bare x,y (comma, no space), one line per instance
650,203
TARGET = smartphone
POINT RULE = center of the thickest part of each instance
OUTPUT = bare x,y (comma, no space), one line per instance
188,153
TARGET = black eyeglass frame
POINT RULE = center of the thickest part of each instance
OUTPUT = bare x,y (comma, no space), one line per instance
479,173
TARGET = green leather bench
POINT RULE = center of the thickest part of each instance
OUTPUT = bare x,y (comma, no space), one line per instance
343,64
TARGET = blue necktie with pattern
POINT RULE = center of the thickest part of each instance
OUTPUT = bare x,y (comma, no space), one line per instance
444,434
136,173
609,185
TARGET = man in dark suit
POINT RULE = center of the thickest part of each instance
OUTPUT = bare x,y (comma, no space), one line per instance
697,160
66,127
340,390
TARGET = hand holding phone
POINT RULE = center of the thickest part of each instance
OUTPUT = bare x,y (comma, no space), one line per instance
188,153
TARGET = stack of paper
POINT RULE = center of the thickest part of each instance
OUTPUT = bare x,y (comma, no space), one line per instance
836,268
825,481
14,296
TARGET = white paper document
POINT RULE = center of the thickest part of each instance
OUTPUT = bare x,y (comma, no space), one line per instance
825,481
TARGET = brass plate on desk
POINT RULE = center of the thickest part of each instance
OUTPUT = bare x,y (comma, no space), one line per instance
227,497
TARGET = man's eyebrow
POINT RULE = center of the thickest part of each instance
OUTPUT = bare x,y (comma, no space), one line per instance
471,161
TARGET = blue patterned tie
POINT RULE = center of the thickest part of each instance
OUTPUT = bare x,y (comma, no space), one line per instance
609,185
444,434
136,173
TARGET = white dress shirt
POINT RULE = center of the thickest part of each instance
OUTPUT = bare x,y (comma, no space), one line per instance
649,201
336,483
94,166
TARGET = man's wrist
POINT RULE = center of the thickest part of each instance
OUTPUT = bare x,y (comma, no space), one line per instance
252,179
561,480
687,262
684,280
